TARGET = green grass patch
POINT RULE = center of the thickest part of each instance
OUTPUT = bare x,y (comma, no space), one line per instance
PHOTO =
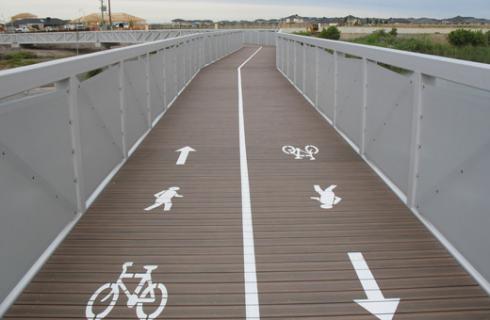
426,45
18,59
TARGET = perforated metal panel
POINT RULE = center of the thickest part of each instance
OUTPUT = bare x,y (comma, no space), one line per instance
389,122
100,127
157,91
37,189
349,116
454,176
310,73
135,94
299,65
326,85
171,74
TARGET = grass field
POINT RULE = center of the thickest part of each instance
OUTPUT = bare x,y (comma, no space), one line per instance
423,43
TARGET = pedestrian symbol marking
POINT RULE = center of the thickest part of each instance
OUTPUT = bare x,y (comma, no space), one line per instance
164,198
327,198
376,303
299,154
105,298
184,153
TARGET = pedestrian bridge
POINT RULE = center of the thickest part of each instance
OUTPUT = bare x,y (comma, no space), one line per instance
225,175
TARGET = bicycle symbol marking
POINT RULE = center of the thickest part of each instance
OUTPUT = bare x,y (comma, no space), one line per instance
299,154
143,294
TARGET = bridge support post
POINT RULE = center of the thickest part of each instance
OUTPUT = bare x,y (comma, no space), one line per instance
122,108
148,88
72,85
417,116
335,87
362,149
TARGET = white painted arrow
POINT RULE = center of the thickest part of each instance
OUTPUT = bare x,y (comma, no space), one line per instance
376,304
184,153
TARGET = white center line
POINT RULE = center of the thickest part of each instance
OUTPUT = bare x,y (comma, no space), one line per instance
251,291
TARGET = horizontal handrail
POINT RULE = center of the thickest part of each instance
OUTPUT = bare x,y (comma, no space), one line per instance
470,73
16,80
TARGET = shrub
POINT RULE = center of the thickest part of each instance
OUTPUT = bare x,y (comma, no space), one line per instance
393,32
302,33
332,33
463,37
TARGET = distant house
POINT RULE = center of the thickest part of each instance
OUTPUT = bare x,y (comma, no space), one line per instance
352,21
181,23
120,20
36,24
293,19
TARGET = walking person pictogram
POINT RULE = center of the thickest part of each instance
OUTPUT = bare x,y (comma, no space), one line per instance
165,198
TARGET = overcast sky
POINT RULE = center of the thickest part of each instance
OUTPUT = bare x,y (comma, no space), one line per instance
166,10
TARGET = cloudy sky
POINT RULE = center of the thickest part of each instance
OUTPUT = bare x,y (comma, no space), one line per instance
166,10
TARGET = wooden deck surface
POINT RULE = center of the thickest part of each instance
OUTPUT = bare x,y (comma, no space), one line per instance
303,268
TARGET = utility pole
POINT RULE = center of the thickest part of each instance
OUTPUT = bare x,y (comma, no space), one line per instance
101,14
110,14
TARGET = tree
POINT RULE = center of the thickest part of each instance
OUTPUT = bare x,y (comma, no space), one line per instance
393,32
332,33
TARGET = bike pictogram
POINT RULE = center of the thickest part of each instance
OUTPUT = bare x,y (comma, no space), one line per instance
147,292
308,152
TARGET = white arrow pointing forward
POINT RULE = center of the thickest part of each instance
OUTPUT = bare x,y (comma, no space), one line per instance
184,153
383,309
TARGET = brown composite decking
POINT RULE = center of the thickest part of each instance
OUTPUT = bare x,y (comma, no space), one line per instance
303,271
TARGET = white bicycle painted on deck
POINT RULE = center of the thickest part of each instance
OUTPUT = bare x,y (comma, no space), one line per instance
145,293
308,152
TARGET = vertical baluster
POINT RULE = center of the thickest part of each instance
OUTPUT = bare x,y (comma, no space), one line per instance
335,86
122,108
364,107
72,89
417,114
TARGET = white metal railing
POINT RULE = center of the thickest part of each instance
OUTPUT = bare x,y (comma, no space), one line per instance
72,37
62,142
256,36
422,122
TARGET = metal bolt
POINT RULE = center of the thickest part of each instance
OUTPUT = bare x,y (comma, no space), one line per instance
437,191
461,171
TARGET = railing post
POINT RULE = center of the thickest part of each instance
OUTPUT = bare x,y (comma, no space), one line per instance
164,76
148,88
303,85
362,149
417,117
335,87
72,88
317,75
122,108
294,61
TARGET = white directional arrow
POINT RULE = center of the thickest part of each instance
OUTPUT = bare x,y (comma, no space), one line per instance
376,304
184,153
